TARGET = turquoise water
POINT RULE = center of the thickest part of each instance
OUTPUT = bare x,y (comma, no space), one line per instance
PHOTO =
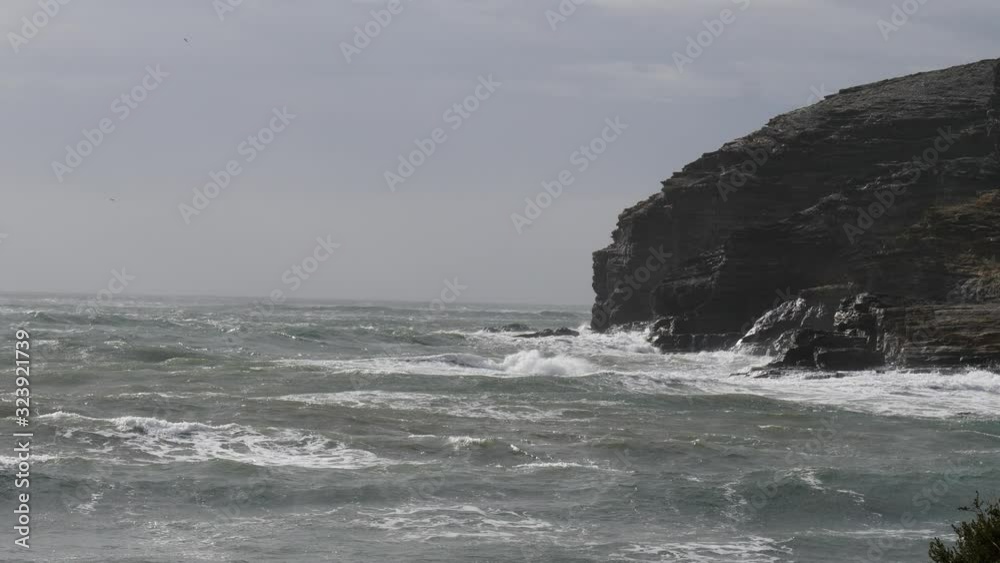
199,430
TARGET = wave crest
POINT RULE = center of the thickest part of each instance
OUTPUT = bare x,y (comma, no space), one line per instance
161,441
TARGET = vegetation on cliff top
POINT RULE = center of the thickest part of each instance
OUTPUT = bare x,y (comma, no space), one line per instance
978,539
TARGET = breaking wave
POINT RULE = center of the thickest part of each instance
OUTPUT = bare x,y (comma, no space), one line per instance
160,441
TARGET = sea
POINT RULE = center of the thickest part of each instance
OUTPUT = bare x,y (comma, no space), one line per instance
210,429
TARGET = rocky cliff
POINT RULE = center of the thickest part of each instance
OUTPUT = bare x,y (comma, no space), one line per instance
862,229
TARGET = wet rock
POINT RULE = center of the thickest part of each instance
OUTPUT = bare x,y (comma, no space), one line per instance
694,342
772,333
847,358
513,327
828,350
549,332
871,331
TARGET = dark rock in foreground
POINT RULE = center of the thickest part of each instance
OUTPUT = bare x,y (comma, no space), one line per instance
859,231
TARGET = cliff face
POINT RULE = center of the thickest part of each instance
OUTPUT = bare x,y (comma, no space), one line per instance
882,189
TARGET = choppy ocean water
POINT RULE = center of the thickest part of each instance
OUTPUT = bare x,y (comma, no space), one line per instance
196,430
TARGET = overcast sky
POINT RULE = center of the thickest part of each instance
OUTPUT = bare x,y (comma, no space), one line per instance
197,85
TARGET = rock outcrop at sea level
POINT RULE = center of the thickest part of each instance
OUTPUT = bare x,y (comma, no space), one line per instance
860,231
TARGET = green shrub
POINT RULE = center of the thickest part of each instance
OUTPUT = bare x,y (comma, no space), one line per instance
978,540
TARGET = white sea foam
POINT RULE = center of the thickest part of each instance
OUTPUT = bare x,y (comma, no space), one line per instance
616,343
89,506
451,405
466,441
626,358
163,441
10,462
458,360
750,549
894,392
877,533
540,465
479,406
532,362
855,496
429,522
891,392
808,476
